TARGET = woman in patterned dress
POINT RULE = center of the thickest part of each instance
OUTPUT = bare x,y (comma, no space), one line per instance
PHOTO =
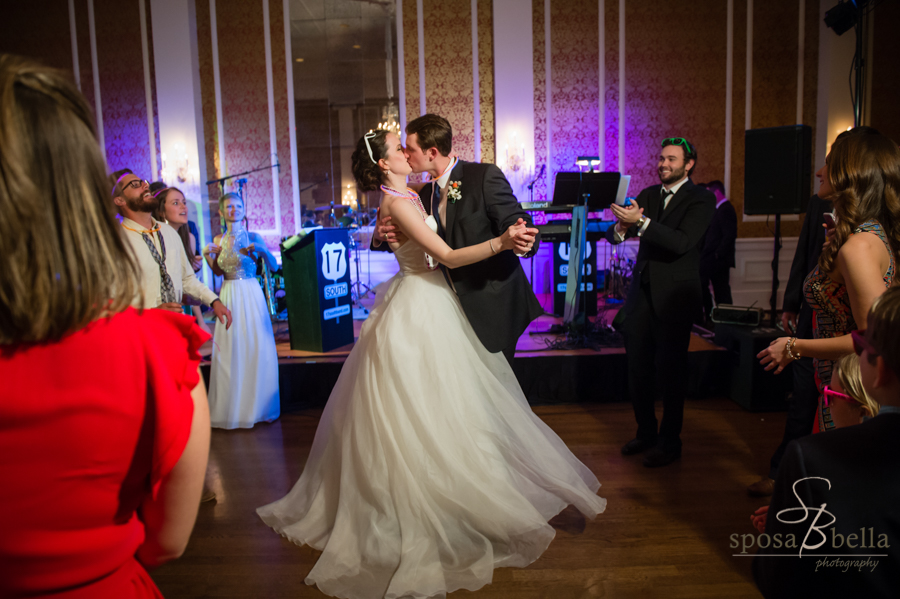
861,177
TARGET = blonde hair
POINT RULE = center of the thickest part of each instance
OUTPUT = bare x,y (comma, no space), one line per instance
846,372
230,196
62,255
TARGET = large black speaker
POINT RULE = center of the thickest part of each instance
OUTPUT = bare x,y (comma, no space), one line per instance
751,386
777,169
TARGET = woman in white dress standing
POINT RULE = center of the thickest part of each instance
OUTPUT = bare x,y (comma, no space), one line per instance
243,386
428,468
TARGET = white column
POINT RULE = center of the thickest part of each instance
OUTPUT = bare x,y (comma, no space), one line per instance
178,100
513,77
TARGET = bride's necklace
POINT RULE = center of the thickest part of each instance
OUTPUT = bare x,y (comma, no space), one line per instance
410,195
416,201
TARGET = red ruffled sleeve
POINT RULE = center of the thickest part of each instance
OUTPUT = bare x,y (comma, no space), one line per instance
172,342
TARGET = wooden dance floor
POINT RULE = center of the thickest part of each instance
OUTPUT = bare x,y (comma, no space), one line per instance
665,533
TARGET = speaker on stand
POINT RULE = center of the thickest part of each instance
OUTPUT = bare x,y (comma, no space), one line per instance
777,180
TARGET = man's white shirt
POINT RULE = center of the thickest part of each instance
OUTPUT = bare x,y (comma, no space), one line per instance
177,265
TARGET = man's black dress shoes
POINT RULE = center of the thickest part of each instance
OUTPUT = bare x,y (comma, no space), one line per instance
637,445
657,457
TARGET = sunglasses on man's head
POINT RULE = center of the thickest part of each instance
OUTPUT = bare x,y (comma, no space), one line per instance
830,395
861,344
677,141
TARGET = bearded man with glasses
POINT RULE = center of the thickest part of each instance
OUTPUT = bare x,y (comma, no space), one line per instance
670,220
166,273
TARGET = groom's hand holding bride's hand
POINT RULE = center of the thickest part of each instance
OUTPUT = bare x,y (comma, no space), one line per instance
518,237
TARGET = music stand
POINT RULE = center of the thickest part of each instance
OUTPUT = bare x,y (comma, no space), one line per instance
589,192
598,190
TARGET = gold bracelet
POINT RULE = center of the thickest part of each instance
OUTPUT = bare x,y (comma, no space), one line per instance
789,348
491,243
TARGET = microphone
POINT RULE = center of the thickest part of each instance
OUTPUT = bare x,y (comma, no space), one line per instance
541,172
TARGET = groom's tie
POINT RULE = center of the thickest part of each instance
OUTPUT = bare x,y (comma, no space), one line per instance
436,207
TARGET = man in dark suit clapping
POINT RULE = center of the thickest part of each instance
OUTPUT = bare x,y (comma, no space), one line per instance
670,219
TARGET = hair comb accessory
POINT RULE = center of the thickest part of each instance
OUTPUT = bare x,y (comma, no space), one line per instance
367,137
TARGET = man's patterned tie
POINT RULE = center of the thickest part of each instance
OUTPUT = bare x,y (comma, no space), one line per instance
167,288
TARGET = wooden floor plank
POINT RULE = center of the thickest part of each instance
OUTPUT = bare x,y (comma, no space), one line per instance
666,532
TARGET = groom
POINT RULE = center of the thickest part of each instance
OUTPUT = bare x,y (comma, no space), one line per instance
473,202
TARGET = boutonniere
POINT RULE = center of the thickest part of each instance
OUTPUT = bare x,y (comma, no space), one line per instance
453,192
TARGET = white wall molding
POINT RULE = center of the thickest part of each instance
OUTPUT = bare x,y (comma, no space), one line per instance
476,84
601,82
420,27
273,139
514,77
401,69
548,99
292,117
217,86
622,95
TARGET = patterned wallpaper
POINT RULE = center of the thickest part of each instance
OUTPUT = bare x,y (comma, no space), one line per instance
449,86
122,92
540,103
574,123
674,86
611,91
245,116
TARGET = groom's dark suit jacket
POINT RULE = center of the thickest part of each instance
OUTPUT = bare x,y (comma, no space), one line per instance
495,293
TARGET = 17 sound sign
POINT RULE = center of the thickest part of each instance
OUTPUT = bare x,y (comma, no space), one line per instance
334,267
561,271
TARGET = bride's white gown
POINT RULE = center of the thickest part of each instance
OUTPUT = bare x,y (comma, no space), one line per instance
428,468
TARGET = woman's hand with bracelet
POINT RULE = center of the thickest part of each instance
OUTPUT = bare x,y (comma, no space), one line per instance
779,354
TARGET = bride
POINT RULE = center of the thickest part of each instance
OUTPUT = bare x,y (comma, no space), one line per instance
428,468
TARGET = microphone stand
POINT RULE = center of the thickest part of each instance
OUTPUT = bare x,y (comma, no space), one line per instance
221,181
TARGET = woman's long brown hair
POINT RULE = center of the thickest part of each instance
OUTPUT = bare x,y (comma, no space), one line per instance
184,231
63,260
864,173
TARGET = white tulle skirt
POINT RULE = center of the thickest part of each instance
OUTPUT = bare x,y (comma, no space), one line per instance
428,469
243,385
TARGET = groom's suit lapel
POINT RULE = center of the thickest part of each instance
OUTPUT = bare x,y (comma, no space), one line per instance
455,175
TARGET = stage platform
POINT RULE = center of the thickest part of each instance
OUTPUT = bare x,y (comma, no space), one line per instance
547,376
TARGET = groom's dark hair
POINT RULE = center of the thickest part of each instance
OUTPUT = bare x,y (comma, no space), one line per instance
433,131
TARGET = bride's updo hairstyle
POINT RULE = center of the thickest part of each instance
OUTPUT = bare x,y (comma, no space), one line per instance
366,171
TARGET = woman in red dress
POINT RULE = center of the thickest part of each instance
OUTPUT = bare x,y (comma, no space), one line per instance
104,428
